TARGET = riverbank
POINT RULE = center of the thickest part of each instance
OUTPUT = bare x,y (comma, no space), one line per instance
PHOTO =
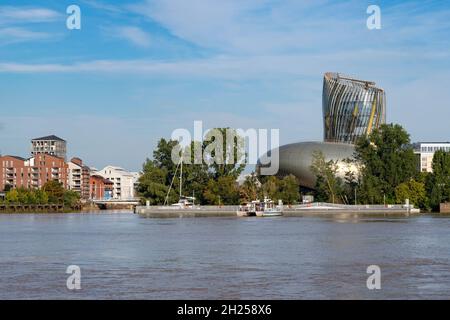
326,210
36,208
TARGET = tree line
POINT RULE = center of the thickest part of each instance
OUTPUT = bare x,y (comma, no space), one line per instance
209,182
52,192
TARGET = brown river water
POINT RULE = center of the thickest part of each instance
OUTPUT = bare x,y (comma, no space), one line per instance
123,256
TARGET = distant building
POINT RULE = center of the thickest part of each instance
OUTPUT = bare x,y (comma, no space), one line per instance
100,188
124,182
425,152
17,172
51,145
79,177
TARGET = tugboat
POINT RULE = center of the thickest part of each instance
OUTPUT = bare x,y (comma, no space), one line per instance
267,208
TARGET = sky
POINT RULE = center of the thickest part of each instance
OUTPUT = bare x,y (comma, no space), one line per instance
137,70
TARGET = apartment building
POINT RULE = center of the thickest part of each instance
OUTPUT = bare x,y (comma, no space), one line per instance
124,182
425,152
79,177
51,145
17,172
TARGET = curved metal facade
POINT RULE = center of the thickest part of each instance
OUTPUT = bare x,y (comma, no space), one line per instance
297,158
351,108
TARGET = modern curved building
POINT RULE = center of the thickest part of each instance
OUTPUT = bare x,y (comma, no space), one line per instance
296,159
351,108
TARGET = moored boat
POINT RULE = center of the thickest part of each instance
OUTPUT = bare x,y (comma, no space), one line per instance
267,208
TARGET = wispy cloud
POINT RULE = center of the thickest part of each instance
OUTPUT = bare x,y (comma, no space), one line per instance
25,14
134,35
104,6
16,34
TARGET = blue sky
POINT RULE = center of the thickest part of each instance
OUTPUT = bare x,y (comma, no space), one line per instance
139,69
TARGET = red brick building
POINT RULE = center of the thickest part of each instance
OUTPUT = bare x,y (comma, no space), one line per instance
100,188
32,173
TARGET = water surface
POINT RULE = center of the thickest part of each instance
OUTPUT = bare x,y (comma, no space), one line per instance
123,256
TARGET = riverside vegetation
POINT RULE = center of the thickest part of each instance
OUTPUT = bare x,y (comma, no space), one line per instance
210,183
52,193
385,160
388,173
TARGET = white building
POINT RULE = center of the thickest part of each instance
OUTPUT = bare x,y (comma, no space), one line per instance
123,182
425,152
79,177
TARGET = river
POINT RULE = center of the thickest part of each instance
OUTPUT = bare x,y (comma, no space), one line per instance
123,256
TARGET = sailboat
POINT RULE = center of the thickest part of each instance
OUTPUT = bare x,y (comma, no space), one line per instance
184,202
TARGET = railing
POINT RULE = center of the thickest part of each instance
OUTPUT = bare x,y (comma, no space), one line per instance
349,206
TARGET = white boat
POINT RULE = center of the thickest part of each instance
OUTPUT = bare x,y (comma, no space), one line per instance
183,202
267,208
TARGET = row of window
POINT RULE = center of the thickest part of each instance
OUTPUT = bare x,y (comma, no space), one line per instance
434,149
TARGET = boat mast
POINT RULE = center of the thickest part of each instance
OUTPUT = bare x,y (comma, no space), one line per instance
181,174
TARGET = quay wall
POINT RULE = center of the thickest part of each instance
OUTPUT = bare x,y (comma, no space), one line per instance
288,211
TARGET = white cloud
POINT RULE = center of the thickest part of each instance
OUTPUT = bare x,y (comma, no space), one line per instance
16,34
103,6
10,14
134,35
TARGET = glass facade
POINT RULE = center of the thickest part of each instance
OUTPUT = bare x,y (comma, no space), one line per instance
351,108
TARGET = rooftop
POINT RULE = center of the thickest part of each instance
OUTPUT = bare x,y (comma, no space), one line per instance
350,80
51,137
15,157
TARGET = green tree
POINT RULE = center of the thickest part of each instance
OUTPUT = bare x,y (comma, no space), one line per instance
271,188
232,148
12,197
55,191
387,160
41,196
289,192
328,184
152,184
412,190
250,189
438,182
71,198
162,158
162,172
223,191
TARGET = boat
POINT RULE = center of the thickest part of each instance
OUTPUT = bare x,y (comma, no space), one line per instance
266,208
184,202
